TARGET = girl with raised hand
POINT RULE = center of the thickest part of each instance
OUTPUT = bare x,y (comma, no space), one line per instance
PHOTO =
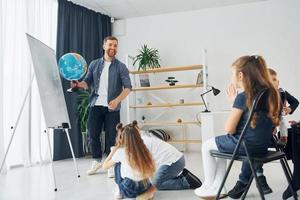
251,74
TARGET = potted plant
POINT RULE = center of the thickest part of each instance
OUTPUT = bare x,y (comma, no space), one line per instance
83,111
148,58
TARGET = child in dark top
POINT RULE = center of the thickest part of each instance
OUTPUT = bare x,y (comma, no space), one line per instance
251,74
286,109
289,104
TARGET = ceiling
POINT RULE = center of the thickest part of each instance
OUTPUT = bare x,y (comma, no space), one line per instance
122,9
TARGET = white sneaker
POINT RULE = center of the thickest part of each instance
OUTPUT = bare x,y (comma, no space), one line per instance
201,189
210,192
94,168
111,172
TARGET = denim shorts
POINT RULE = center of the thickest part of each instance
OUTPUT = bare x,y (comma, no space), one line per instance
128,187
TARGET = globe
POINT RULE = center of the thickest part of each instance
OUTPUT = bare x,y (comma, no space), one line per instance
72,66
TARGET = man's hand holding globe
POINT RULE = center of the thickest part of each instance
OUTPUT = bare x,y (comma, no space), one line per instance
76,84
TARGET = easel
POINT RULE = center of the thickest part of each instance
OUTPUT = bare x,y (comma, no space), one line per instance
64,126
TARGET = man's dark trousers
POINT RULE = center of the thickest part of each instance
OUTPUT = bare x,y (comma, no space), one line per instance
100,116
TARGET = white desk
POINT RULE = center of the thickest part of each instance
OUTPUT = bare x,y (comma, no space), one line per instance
213,123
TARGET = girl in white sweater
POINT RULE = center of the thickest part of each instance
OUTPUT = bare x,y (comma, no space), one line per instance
133,164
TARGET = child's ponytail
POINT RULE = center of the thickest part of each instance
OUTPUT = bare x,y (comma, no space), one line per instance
139,157
256,77
134,123
119,138
119,126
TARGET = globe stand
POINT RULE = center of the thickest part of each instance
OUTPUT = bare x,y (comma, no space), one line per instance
73,89
70,90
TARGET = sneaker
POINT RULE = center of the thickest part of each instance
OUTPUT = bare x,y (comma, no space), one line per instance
287,194
209,193
237,191
117,193
198,191
264,185
193,180
111,172
96,166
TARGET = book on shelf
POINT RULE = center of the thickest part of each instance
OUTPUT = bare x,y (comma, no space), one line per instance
144,80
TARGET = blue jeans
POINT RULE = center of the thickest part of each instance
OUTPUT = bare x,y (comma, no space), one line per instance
99,116
166,177
128,187
246,171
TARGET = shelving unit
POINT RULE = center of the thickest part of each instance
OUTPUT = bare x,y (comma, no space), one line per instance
168,69
185,141
167,87
156,122
182,125
168,105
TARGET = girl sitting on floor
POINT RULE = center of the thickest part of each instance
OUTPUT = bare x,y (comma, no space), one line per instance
133,162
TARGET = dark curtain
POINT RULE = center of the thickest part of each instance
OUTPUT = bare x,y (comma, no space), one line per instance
82,31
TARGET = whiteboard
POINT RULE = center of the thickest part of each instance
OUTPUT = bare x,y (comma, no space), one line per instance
49,84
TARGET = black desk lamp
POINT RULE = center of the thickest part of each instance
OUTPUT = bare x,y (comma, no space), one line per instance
215,92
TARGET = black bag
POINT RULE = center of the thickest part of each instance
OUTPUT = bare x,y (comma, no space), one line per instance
161,134
293,143
288,150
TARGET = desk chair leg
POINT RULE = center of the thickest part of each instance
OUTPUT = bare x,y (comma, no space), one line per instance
224,179
287,172
256,180
253,172
288,177
285,161
247,188
287,166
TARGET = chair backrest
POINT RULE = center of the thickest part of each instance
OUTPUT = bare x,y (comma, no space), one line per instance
251,113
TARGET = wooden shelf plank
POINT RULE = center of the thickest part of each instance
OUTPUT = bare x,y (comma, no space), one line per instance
166,87
168,105
185,141
167,69
167,123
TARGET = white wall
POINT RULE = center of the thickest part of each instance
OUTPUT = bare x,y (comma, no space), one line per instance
270,28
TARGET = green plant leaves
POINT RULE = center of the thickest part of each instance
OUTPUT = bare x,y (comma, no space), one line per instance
83,109
147,58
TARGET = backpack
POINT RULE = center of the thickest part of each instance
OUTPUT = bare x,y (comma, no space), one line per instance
161,134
